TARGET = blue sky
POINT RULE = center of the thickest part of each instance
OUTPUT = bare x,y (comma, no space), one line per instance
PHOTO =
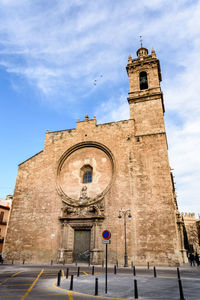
52,51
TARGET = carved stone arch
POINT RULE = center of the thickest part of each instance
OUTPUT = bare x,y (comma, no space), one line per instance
89,145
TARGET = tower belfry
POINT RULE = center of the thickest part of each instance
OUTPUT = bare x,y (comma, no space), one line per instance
145,95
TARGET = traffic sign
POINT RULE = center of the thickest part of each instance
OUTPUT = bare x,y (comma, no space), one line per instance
106,234
106,241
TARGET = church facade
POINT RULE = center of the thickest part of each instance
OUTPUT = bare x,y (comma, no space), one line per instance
86,178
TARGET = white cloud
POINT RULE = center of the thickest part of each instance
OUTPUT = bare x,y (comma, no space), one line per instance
59,47
184,157
113,109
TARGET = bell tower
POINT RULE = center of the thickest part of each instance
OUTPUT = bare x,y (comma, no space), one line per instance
145,95
154,198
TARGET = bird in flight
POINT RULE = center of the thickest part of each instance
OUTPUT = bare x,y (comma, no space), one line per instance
95,81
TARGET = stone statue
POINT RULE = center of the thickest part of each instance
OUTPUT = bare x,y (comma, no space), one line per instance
83,197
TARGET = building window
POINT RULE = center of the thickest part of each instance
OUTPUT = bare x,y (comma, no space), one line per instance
87,177
143,81
86,174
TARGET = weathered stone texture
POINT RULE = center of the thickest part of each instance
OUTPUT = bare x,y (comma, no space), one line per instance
130,170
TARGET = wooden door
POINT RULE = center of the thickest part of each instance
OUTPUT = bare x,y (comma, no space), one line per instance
82,245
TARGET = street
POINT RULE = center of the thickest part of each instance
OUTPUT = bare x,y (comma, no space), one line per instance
39,282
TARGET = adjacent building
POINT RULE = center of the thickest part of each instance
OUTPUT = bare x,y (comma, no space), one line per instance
192,232
5,206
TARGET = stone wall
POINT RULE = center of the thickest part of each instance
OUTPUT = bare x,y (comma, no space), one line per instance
141,182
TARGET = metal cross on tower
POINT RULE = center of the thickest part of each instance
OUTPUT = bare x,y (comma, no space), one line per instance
141,40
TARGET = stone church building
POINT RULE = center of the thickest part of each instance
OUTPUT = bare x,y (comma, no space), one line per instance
86,178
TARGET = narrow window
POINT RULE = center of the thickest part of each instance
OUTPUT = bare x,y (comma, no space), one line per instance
86,174
143,81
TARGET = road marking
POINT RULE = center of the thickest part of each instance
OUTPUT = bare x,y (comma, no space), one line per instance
4,281
58,288
85,273
50,295
32,285
70,293
70,296
9,277
16,274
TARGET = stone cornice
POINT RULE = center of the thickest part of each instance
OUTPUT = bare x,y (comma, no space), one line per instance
72,218
148,134
147,97
143,97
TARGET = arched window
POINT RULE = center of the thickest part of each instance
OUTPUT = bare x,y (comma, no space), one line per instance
86,174
143,81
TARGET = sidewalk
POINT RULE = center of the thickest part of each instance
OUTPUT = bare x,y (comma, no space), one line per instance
165,286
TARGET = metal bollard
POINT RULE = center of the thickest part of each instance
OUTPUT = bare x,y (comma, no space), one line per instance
71,283
96,287
132,264
59,277
78,272
23,261
154,272
180,290
134,271
148,265
67,273
51,262
92,270
178,273
135,289
115,269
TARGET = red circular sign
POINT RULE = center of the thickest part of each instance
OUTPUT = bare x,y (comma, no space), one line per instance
106,234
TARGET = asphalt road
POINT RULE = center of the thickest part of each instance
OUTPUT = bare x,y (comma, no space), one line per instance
40,282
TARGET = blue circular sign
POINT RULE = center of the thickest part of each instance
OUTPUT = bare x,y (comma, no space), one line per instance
106,234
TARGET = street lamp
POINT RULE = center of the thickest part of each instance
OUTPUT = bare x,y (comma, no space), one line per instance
125,212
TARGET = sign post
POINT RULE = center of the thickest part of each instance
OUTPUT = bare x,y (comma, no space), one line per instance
106,240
